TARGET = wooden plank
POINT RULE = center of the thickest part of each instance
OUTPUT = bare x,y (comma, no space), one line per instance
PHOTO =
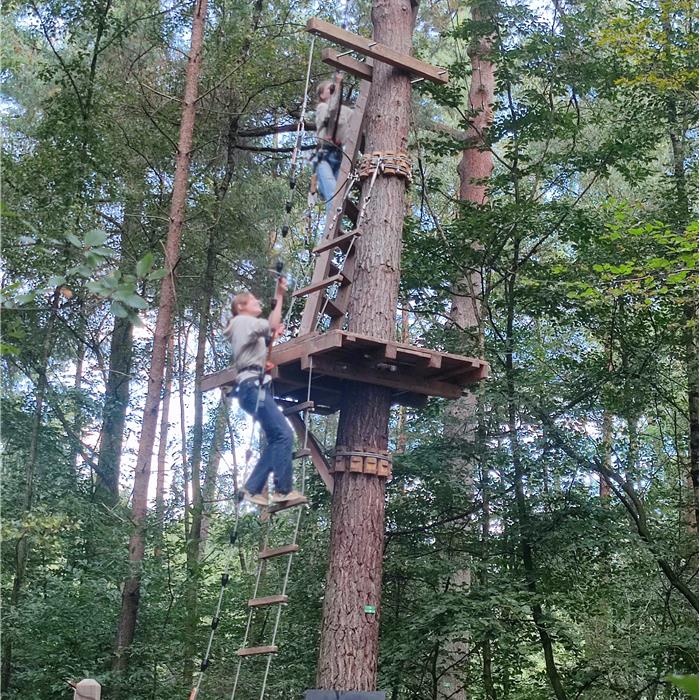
301,453
277,507
318,343
378,51
257,651
352,66
298,408
317,456
215,380
278,551
349,370
267,600
340,278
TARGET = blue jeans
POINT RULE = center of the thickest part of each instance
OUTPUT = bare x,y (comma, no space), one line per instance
327,168
277,455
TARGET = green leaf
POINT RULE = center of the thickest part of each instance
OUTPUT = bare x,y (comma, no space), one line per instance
143,267
95,237
135,301
74,240
118,310
687,683
157,275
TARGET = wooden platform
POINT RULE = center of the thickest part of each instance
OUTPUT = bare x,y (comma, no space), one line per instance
412,373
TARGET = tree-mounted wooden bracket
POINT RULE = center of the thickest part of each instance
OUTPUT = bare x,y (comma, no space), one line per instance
380,52
378,464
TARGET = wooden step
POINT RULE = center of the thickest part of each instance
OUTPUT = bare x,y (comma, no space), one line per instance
255,651
340,278
278,551
341,242
332,309
267,600
277,507
300,453
298,408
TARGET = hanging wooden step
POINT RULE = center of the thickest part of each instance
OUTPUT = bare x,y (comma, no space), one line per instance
256,651
278,551
267,600
341,242
284,505
341,278
301,453
298,408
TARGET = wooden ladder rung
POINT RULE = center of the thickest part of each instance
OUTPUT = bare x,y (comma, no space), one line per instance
278,551
277,507
340,278
255,651
267,600
342,242
298,408
304,452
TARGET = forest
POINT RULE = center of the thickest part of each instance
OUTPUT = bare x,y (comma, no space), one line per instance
540,534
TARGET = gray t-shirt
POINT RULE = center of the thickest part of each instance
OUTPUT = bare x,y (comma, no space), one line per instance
247,337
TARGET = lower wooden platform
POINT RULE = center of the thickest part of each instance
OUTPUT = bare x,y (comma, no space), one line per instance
412,373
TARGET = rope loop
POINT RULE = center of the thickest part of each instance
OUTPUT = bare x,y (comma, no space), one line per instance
388,162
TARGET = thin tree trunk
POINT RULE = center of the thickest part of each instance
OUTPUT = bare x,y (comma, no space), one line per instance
163,437
22,546
211,470
193,541
538,614
350,635
130,596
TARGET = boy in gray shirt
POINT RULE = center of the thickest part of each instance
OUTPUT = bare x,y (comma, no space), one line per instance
250,336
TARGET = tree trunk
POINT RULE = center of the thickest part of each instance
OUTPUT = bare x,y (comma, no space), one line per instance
349,634
137,543
116,404
116,401
474,170
22,546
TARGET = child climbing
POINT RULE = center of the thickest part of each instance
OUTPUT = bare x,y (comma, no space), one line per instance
250,337
332,118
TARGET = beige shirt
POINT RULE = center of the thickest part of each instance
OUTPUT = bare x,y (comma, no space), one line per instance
247,336
324,132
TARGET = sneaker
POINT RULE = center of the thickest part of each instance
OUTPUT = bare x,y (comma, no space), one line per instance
257,498
283,497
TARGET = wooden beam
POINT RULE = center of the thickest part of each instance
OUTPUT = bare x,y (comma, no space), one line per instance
350,370
378,51
317,456
358,68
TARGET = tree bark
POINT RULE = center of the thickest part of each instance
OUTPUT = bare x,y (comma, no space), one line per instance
130,596
349,635
163,436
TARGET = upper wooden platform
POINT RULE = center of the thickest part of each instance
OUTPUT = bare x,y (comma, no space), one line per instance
412,373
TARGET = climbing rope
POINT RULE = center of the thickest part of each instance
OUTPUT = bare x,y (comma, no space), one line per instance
300,131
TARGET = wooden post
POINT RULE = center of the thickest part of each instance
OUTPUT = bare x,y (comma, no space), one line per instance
87,689
350,629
